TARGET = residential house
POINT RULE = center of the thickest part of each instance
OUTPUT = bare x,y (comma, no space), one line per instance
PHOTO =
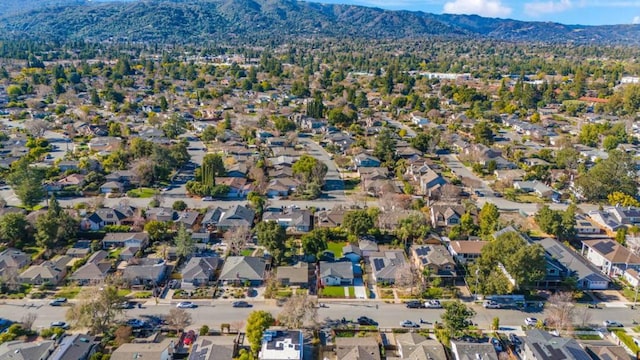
434,257
353,253
360,348
126,177
605,220
145,271
238,170
22,350
224,219
71,180
49,272
280,172
625,215
199,271
587,276
342,141
373,173
214,348
12,261
609,256
75,347
162,350
282,187
132,239
331,218
541,345
419,120
240,269
509,175
366,160
534,186
368,246
188,219
607,351
385,265
462,350
281,345
292,219
297,275
94,271
66,165
104,144
584,226
632,277
443,215
466,251
430,182
336,273
112,187
164,214
102,217
418,347
238,187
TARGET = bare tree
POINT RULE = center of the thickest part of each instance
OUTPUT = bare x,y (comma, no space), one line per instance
178,319
143,169
235,238
299,311
28,319
449,192
406,276
585,316
562,311
36,128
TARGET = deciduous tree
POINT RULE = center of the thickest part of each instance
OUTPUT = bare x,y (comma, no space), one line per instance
257,323
456,317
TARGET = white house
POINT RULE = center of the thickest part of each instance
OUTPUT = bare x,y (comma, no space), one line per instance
281,345
612,258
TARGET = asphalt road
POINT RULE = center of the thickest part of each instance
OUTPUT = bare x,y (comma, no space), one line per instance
334,185
214,313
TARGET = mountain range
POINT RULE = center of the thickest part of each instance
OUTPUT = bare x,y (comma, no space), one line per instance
252,21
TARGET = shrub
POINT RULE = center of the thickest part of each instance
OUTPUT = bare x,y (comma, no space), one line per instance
204,330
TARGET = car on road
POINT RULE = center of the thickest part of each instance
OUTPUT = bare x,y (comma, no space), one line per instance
363,320
241,304
530,321
490,304
186,305
409,324
60,299
611,323
414,305
433,304
56,303
60,324
207,198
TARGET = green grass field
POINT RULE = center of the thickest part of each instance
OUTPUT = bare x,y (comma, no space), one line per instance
141,193
336,248
333,291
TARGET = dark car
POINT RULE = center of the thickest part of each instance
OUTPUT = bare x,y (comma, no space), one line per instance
414,305
363,320
241,304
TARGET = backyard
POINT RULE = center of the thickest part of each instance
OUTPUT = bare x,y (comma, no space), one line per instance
336,248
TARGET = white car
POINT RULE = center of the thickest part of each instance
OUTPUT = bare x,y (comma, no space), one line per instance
60,324
530,321
433,304
186,305
409,324
611,323
490,304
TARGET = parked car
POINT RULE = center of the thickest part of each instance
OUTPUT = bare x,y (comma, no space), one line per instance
60,324
207,198
490,304
241,304
611,323
409,324
530,321
60,299
514,339
186,305
363,320
414,305
433,304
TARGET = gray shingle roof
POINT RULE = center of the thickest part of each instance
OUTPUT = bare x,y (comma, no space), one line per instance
243,268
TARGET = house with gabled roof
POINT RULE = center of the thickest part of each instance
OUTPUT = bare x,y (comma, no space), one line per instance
12,260
384,265
414,346
292,219
94,271
366,160
443,215
587,276
463,350
49,272
128,239
297,275
336,273
435,257
199,271
145,271
609,256
466,251
240,269
224,219
539,344
102,217
330,218
360,348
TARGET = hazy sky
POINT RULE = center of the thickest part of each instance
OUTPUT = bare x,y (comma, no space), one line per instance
585,12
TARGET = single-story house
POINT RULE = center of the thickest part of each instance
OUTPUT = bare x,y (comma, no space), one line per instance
200,271
133,239
535,186
12,260
240,269
414,346
297,275
366,160
112,187
292,219
94,271
435,257
466,251
49,272
352,252
386,264
224,219
336,273
146,271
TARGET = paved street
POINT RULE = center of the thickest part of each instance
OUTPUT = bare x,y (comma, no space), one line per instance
214,313
334,185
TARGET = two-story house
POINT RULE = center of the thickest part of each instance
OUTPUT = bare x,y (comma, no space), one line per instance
609,256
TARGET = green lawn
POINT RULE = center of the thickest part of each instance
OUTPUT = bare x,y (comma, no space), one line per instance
141,193
68,292
352,292
247,252
627,340
123,292
333,291
336,248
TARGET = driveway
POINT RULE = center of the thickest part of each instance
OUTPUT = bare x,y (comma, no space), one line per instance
359,289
